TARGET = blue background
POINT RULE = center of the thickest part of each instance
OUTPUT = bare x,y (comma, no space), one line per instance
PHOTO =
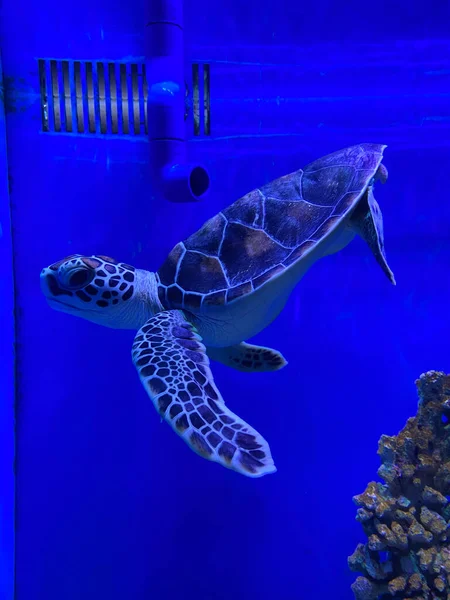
110,503
7,373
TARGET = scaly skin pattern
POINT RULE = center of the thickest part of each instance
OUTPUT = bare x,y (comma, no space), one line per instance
174,369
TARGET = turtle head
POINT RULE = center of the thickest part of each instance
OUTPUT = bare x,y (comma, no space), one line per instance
100,289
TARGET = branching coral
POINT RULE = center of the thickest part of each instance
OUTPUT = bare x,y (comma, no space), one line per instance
407,519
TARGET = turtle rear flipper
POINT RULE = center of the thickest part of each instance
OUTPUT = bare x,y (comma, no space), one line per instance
174,368
248,358
367,222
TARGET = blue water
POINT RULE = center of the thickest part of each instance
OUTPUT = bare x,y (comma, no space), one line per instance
109,502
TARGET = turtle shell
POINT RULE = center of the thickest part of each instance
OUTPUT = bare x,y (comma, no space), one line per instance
266,231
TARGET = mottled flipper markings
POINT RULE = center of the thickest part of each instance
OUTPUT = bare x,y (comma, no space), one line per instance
248,358
174,368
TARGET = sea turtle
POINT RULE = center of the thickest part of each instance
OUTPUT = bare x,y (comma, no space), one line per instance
223,285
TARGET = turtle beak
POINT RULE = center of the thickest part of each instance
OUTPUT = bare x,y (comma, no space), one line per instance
45,281
54,295
50,287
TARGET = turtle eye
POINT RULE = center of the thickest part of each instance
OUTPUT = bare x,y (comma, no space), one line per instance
78,278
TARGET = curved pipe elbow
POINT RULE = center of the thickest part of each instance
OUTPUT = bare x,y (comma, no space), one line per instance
184,182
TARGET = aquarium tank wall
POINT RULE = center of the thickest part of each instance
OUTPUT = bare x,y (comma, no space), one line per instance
99,498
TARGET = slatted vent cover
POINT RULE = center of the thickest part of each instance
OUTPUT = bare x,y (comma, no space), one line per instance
82,97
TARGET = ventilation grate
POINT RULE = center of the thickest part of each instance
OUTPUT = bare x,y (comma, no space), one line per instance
201,99
82,97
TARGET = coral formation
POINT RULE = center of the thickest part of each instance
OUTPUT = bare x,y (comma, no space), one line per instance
407,519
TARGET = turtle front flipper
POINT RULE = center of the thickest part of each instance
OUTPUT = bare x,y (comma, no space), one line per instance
248,358
173,366
367,222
